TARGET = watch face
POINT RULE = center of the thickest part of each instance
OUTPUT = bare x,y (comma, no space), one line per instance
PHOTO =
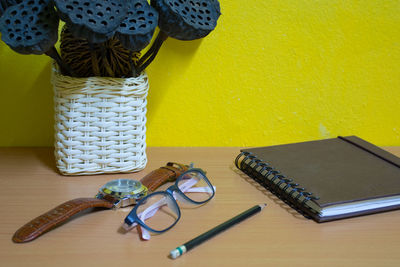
123,188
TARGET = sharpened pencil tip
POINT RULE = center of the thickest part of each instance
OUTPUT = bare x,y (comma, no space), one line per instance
262,205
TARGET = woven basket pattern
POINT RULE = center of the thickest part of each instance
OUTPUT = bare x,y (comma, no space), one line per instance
100,124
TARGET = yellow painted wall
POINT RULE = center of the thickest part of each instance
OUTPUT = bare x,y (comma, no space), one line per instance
273,71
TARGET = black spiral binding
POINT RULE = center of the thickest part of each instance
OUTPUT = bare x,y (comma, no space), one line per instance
254,167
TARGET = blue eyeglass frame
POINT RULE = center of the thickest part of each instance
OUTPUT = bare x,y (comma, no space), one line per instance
132,217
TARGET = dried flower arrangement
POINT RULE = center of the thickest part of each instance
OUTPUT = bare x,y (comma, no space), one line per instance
100,86
103,37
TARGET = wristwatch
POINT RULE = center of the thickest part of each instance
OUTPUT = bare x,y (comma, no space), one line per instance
114,194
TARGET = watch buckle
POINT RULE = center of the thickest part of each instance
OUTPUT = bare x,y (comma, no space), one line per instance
179,166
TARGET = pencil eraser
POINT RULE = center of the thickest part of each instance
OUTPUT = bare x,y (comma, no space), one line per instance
174,253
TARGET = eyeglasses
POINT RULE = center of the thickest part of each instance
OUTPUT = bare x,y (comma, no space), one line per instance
159,211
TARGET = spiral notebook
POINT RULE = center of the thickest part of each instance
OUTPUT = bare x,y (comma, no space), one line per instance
327,179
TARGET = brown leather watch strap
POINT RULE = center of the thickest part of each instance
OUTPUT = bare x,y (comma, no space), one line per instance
158,177
55,217
63,212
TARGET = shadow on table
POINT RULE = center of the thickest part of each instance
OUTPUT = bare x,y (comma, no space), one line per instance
267,193
46,156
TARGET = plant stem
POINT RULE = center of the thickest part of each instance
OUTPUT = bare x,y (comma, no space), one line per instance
65,70
133,66
151,54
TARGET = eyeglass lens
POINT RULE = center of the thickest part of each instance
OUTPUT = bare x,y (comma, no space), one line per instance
195,187
159,211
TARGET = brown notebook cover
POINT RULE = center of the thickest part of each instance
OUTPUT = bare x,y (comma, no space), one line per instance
327,179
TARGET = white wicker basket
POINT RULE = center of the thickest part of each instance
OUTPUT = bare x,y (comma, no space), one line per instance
100,124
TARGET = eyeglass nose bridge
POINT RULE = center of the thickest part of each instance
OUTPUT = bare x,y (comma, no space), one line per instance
173,188
177,194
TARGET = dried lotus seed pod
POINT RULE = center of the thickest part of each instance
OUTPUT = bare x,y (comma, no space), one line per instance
187,19
136,30
94,20
30,27
4,4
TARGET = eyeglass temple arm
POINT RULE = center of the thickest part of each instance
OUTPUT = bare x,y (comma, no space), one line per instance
150,211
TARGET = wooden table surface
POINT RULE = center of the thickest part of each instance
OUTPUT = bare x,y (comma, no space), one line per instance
278,236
